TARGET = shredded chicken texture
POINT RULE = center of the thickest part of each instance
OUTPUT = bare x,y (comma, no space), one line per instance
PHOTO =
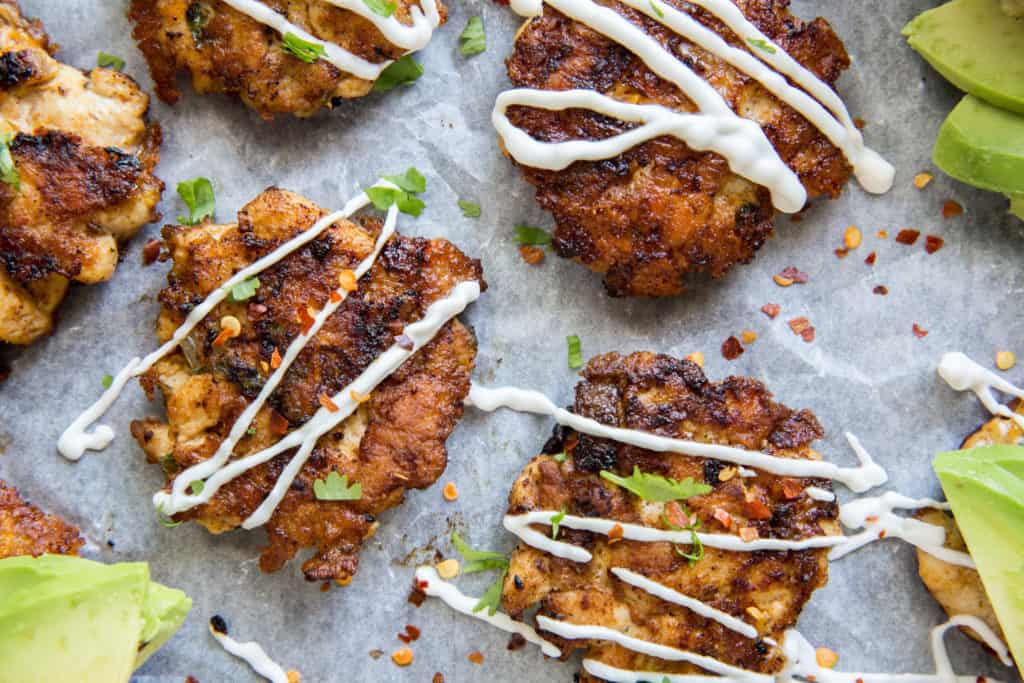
84,154
767,590
395,441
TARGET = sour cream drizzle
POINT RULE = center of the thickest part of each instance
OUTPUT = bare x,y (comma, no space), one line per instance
253,655
716,127
859,479
408,37
963,374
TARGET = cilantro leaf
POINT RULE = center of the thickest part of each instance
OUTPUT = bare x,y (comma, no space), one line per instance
303,49
108,61
657,10
108,380
559,457
473,39
8,173
556,520
164,520
526,234
472,556
410,204
196,487
198,197
762,44
410,181
575,352
197,16
697,546
246,289
384,8
491,599
384,197
656,488
336,487
469,209
402,71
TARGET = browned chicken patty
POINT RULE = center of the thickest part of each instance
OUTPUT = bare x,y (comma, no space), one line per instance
84,154
27,530
649,217
673,398
959,589
227,51
396,439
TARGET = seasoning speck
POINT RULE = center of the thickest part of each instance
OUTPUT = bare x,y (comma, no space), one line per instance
771,310
881,290
826,658
933,243
218,624
919,332
438,678
870,260
531,254
732,349
852,237
402,657
908,237
475,657
1005,360
921,180
951,209
748,336
450,492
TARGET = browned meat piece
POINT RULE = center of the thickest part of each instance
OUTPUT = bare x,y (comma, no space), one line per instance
395,441
27,530
649,217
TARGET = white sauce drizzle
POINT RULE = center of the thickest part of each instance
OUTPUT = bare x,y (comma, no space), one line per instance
671,654
520,526
963,374
717,127
614,674
819,494
253,655
876,515
671,595
859,479
408,37
458,601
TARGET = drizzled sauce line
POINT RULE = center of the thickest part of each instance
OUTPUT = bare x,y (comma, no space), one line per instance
963,374
253,655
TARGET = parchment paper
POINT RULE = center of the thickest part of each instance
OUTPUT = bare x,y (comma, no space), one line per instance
866,372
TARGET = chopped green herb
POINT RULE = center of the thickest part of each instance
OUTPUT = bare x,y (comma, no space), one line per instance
575,352
656,488
197,16
697,547
492,597
410,181
108,380
526,234
469,209
762,44
198,197
409,204
336,487
196,487
106,60
251,431
477,560
303,49
385,8
246,289
163,519
560,457
400,72
657,10
8,173
473,40
556,520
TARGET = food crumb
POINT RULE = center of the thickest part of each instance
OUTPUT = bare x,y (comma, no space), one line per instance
852,237
450,492
748,336
842,253
908,237
1005,360
932,243
697,358
438,678
870,260
325,586
411,634
376,654
826,657
921,180
951,209
732,349
448,569
797,276
883,234
881,290
150,252
919,332
771,310
475,657
402,657
532,255
798,325
782,281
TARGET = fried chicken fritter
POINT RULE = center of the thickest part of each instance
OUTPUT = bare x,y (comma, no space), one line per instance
647,218
959,589
27,530
673,398
85,155
395,441
227,51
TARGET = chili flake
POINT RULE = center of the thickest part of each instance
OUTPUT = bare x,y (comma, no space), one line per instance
531,254
475,657
932,243
1005,360
870,260
782,281
951,209
808,335
826,657
450,492
756,509
438,678
675,515
327,403
842,253
919,332
908,237
883,234
723,517
278,424
852,237
615,534
771,310
797,276
335,297
732,349
411,635
347,280
402,657
305,318
275,359
748,336
881,290
791,489
921,180
798,325
150,252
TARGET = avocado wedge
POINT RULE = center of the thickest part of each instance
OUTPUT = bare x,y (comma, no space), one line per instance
983,146
985,487
65,619
976,46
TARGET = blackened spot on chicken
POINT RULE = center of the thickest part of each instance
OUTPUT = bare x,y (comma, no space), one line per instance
16,67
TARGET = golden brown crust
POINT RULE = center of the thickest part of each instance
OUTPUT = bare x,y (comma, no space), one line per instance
673,398
27,530
235,54
85,156
649,217
394,442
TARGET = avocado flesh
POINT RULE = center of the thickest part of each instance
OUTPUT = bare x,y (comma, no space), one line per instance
983,146
67,619
985,487
976,47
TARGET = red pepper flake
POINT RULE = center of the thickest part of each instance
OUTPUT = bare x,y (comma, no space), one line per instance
798,325
756,509
150,252
723,517
860,123
417,594
335,297
732,349
305,318
674,513
951,209
615,534
411,634
932,243
808,335
797,276
883,234
222,338
278,424
438,678
532,255
572,442
881,534
516,642
791,489
870,260
881,290
842,253
275,359
405,342
771,310
908,237
919,332
325,586
475,657
327,403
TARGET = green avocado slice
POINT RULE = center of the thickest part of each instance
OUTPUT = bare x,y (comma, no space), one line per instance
163,613
976,46
985,487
